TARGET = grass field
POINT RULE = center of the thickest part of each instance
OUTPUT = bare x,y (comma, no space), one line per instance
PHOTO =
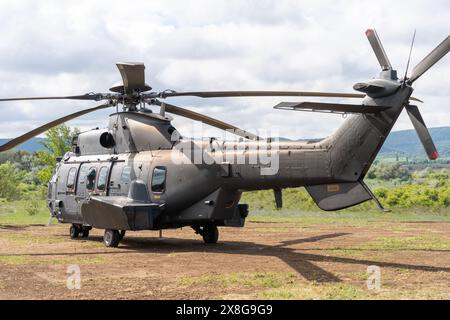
278,255
18,212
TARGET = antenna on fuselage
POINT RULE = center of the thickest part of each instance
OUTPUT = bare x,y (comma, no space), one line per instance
409,59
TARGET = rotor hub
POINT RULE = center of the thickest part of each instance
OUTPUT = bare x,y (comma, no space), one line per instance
120,88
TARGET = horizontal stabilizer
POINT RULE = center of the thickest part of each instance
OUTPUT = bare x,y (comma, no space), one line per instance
330,197
329,107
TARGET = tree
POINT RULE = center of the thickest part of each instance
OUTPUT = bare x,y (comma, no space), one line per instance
58,141
9,181
389,171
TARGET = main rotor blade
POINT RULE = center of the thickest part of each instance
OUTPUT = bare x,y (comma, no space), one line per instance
133,76
224,94
434,56
87,96
378,49
208,120
329,107
422,132
16,141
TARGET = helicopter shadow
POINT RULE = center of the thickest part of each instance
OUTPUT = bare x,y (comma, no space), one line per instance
304,263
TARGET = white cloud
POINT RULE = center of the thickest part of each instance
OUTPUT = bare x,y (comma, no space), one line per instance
70,47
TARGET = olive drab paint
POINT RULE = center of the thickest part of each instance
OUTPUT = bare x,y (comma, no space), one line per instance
140,173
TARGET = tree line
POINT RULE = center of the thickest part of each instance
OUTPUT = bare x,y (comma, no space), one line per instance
26,174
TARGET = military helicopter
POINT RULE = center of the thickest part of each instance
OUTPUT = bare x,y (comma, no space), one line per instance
136,175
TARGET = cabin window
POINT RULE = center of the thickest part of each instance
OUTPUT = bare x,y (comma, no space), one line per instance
125,177
159,179
71,179
82,174
102,177
90,179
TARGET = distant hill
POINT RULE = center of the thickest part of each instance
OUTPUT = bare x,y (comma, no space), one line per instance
404,143
30,145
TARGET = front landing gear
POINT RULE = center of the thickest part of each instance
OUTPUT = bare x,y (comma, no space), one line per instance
111,238
209,232
74,231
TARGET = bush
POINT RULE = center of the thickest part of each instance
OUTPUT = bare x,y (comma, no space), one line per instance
399,196
32,207
9,181
387,171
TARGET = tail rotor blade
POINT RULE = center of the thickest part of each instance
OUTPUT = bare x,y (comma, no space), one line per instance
378,49
422,132
434,56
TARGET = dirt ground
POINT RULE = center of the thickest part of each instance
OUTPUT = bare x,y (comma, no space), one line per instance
264,260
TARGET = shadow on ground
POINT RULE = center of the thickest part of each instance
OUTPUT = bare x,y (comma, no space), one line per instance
302,262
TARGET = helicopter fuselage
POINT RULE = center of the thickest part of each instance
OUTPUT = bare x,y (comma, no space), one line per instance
146,176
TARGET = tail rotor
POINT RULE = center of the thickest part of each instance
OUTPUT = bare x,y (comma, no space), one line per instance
413,111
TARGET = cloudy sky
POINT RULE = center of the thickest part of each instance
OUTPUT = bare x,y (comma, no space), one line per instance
71,47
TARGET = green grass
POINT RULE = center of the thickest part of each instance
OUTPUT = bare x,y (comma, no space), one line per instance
241,279
346,217
347,291
378,248
76,260
60,260
15,213
16,260
288,285
275,229
314,291
28,239
420,242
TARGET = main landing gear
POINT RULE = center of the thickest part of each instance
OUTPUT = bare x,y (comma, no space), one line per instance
77,230
112,238
209,232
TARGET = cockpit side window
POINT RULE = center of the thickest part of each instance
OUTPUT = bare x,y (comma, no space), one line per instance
90,179
159,179
126,175
102,177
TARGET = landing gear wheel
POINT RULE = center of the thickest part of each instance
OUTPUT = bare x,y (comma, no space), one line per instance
122,234
84,232
111,238
74,231
210,234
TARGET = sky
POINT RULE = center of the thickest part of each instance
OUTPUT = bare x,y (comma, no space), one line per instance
71,47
